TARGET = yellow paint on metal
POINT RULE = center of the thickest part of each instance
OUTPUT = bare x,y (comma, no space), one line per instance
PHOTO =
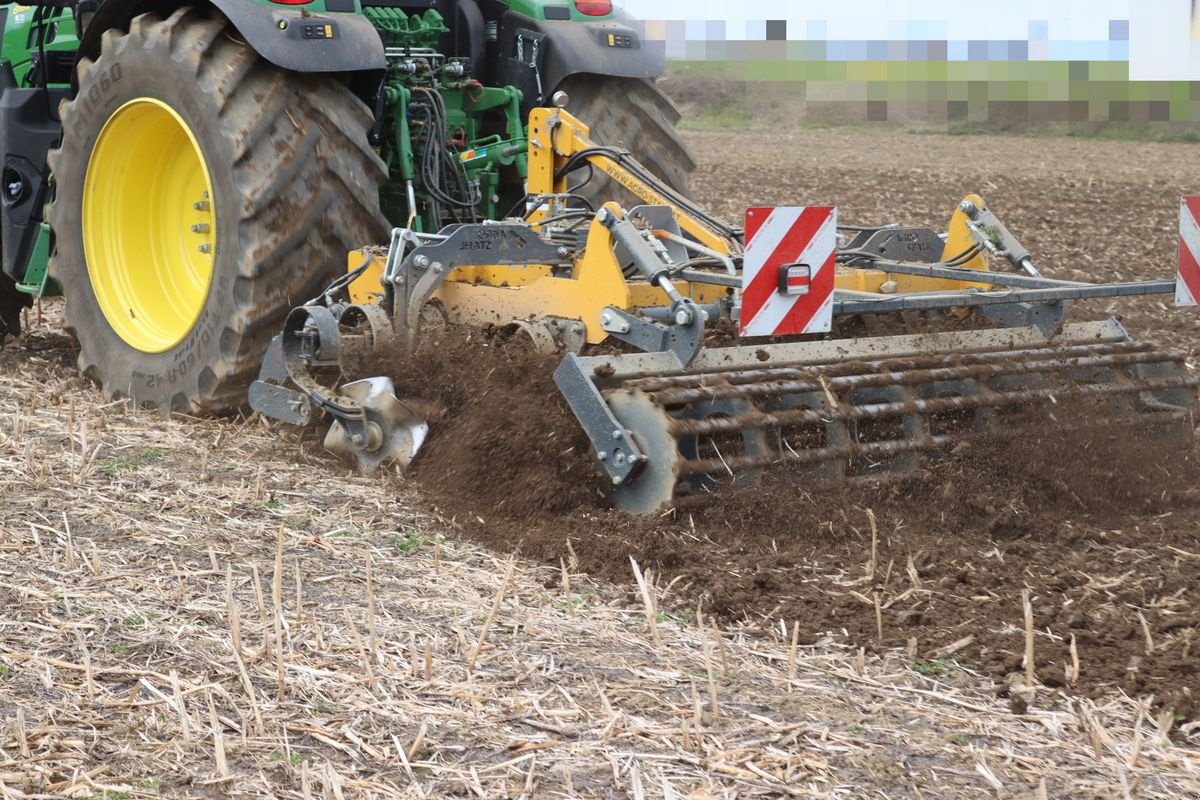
542,158
859,280
555,135
149,228
499,294
367,287
959,236
500,274
597,282
958,240
643,295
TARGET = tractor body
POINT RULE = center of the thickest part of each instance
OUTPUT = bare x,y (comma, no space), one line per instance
436,74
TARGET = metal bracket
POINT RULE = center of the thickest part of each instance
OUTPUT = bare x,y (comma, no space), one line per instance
313,337
614,446
683,339
1046,317
270,397
416,275
37,280
656,218
654,260
570,334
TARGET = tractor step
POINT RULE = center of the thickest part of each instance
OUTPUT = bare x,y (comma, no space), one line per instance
860,410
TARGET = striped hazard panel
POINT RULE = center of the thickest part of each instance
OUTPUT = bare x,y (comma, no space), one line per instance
787,275
1187,284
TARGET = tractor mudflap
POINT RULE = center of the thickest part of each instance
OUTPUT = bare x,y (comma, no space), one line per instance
859,410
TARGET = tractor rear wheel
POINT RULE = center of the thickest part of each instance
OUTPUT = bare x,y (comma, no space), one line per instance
634,114
201,193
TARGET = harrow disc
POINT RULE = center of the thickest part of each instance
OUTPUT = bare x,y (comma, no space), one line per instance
654,486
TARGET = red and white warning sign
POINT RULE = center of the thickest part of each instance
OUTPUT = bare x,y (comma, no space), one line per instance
787,275
1187,283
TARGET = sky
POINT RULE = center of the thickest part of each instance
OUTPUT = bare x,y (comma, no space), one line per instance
893,19
1159,45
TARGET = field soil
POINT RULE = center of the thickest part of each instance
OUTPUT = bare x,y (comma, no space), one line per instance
219,608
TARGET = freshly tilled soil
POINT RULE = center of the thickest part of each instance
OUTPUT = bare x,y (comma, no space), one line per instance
1095,525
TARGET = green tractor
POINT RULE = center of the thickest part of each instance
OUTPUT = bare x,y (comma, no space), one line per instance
186,174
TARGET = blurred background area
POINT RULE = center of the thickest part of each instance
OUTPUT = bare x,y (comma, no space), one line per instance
1106,68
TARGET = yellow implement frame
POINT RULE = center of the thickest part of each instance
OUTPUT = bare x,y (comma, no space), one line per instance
503,293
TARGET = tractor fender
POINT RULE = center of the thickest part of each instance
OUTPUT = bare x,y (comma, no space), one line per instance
614,47
286,36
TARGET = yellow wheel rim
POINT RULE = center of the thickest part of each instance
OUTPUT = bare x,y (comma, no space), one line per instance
149,229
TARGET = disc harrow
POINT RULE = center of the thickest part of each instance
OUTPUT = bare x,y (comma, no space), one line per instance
863,417
674,414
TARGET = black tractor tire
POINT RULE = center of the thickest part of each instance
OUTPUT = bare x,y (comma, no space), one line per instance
636,115
295,184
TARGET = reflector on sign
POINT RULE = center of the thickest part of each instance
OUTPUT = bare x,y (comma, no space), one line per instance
795,279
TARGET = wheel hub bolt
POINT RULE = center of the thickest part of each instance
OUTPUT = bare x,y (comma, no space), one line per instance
200,227
205,248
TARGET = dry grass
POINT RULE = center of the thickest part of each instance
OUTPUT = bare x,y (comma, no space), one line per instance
187,610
